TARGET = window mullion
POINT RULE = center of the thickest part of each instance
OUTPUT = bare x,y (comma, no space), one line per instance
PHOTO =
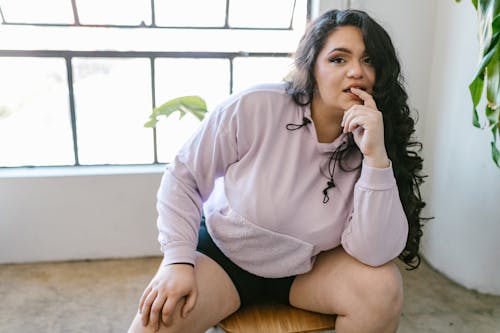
231,75
69,74
1,14
293,15
153,103
75,13
226,21
153,19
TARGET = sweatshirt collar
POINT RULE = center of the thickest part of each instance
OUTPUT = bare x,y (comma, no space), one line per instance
323,147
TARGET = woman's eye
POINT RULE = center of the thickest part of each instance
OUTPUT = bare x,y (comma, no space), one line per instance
337,60
368,61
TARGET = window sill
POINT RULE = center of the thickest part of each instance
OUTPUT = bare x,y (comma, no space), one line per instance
75,171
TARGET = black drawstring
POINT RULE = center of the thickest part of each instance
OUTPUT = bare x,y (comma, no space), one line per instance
293,127
331,170
333,158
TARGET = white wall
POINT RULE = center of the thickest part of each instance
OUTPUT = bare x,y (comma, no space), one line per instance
45,216
463,191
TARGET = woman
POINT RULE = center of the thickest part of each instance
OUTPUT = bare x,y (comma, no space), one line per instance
319,193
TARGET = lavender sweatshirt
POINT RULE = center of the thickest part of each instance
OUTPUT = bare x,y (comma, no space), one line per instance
260,188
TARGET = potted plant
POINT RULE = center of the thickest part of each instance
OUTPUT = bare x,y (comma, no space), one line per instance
488,73
194,105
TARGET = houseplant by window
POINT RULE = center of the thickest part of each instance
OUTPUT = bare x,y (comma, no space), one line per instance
487,76
194,105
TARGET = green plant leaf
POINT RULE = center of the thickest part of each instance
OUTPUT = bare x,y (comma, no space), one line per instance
151,123
194,105
475,118
487,76
495,154
485,61
496,24
486,14
495,130
493,80
476,91
492,115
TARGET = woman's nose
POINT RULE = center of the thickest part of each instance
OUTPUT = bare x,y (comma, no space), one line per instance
355,70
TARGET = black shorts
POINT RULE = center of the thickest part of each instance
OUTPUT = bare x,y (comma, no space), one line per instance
251,288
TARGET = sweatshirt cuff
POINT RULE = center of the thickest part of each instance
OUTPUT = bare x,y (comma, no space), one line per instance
376,178
178,253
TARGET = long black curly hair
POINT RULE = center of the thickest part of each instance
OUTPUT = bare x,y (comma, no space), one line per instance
391,99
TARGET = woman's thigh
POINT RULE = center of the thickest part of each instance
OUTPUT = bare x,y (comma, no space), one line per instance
340,284
217,299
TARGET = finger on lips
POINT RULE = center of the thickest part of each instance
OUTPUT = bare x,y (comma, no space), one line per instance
360,92
366,97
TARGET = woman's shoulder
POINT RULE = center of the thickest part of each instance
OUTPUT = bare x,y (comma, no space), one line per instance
266,88
266,93
259,104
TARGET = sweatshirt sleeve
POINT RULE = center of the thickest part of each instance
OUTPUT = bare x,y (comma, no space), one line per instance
188,182
377,229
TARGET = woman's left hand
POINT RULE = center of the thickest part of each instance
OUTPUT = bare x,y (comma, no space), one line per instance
367,126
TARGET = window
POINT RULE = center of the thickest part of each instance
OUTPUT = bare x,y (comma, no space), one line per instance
80,77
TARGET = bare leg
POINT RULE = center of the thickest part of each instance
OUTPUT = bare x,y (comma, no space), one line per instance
365,298
217,299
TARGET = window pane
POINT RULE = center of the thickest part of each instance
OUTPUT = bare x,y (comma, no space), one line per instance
260,13
190,13
35,127
36,11
255,70
113,100
207,78
114,12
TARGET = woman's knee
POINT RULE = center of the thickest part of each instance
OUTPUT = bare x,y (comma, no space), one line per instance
214,287
383,290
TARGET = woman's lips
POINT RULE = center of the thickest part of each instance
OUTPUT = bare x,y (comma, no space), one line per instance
349,89
352,95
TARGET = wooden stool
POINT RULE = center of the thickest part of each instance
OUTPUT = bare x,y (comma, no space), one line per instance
276,318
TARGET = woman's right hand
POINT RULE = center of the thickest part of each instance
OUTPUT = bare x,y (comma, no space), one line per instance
171,285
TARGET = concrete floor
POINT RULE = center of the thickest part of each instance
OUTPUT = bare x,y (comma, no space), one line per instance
101,296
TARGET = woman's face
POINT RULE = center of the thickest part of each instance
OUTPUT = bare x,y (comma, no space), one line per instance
341,64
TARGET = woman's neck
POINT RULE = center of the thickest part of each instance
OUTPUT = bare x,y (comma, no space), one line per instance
327,123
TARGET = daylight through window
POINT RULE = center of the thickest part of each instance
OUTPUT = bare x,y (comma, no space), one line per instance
80,77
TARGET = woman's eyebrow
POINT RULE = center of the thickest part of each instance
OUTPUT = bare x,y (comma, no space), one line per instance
344,50
340,49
